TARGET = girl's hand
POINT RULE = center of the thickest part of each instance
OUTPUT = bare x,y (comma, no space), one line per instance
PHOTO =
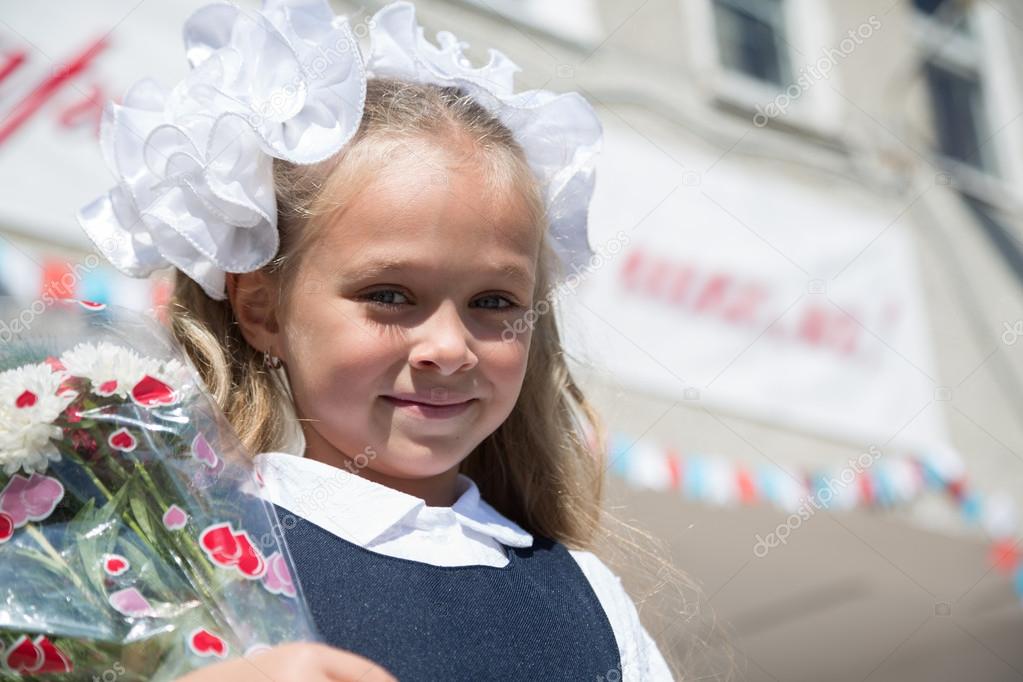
294,662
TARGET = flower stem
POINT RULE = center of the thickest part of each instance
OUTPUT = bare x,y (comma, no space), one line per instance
41,540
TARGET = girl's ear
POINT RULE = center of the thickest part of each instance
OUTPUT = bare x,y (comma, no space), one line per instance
253,298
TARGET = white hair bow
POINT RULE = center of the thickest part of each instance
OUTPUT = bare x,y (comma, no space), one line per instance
194,165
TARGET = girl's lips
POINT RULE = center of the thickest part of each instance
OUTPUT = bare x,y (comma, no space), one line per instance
430,411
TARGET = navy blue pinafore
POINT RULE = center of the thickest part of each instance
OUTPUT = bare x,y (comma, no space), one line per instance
537,618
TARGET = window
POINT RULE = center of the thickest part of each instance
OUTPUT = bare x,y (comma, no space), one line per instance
751,38
953,71
999,232
959,115
949,12
928,6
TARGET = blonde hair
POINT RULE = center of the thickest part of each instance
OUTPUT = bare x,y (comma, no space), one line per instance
544,467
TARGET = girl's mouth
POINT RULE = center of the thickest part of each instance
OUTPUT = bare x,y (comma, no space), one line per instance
428,411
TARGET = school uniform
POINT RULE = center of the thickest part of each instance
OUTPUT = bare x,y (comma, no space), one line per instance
452,593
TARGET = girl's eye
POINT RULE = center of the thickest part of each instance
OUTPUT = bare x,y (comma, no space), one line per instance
393,299
494,302
384,298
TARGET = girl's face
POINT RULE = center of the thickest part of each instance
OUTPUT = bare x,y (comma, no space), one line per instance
392,334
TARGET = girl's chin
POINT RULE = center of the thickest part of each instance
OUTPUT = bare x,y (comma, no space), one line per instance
409,471
418,457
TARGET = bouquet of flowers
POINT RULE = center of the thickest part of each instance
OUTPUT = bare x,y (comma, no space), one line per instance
133,541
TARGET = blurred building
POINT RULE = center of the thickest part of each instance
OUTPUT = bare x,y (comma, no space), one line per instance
808,215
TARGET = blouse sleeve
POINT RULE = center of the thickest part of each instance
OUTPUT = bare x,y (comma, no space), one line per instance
641,660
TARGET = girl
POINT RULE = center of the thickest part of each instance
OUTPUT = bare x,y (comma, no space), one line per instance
424,448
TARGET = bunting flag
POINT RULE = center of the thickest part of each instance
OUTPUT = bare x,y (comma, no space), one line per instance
868,481
38,278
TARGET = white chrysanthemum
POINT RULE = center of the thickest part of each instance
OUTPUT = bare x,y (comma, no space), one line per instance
29,405
176,374
112,369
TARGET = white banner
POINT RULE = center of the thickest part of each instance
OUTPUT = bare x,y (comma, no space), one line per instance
781,296
59,63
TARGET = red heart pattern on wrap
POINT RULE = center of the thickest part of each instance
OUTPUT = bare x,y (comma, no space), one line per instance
228,548
202,642
35,656
278,578
30,499
122,440
6,527
220,545
175,518
131,602
54,660
24,656
151,392
203,451
251,563
115,564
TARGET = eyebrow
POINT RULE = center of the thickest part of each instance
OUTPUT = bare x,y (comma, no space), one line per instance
375,268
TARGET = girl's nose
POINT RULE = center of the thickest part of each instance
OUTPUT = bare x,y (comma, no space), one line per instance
442,343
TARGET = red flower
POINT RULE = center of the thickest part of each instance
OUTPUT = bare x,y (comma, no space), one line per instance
85,445
55,364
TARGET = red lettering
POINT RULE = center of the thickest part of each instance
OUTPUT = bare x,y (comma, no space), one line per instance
631,268
24,109
813,328
714,292
655,278
821,327
89,110
845,334
11,63
746,303
681,284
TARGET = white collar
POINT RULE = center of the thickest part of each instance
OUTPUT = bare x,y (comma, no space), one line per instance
361,510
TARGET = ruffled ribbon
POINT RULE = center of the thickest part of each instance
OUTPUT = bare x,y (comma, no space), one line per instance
194,165
560,133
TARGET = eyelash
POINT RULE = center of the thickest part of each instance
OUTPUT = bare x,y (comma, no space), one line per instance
394,306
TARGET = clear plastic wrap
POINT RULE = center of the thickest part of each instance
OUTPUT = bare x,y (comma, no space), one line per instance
133,541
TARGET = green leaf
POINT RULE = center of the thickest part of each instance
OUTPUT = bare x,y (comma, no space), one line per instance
141,513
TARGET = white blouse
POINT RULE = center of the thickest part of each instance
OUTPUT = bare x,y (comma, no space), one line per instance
470,532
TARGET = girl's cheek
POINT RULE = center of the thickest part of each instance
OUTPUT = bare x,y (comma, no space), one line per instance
507,359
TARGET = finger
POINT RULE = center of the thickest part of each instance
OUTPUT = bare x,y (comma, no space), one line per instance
345,666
